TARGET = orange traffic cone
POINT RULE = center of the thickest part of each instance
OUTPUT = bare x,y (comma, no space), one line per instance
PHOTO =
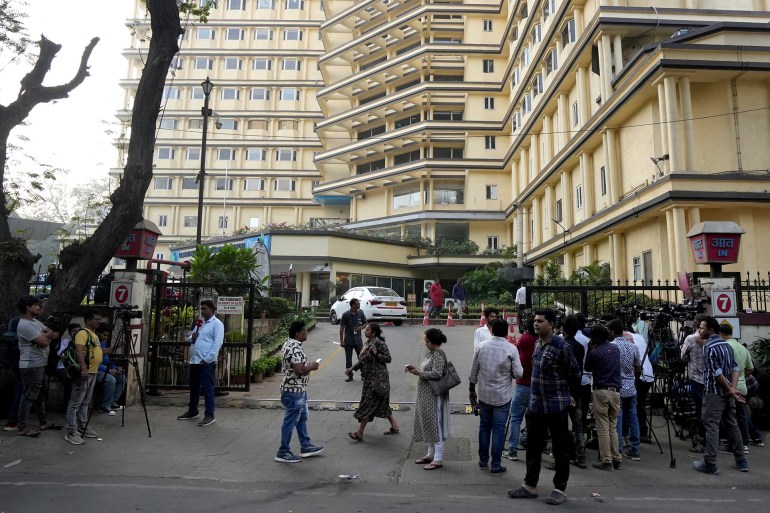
483,320
425,320
449,320
512,333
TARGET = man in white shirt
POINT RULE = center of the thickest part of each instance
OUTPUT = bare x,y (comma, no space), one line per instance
643,384
495,365
521,301
485,332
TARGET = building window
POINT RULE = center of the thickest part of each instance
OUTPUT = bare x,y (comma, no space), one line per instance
559,212
370,166
493,242
257,124
262,64
195,124
163,183
190,221
259,94
448,153
486,25
289,94
225,154
526,104
288,124
575,114
537,85
549,7
448,193
188,182
290,65
205,33
448,115
236,5
401,123
294,4
253,184
551,61
489,103
254,222
228,124
284,184
172,93
404,158
537,34
165,153
488,66
223,221
263,34
168,124
196,93
516,120
603,180
568,34
525,56
224,184
489,142
579,197
229,93
516,77
232,63
192,154
406,197
162,221
265,4
203,63
234,34
255,154
292,34
637,269
491,192
176,63
286,155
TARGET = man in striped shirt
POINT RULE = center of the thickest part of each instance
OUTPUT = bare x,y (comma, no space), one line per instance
720,376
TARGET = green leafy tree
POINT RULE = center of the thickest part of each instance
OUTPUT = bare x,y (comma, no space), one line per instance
228,264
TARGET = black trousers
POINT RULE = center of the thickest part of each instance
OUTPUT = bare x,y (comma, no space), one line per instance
349,353
538,424
642,388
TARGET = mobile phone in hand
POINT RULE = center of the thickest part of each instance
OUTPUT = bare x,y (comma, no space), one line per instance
319,360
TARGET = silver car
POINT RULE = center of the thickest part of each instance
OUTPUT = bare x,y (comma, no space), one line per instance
377,304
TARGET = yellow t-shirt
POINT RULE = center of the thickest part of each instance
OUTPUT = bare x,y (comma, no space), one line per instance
94,348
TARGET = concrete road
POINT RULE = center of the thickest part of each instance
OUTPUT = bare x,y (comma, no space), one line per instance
229,466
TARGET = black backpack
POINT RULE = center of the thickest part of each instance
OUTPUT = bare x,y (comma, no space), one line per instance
69,357
9,347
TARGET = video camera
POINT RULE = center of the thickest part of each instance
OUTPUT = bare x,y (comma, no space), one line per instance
127,312
57,321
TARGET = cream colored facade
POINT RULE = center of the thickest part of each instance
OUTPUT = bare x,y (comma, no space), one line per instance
538,122
262,56
579,130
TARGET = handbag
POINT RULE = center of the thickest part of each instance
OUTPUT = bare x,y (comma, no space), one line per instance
69,358
448,380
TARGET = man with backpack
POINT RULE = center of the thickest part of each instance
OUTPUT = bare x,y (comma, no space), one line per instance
34,342
89,356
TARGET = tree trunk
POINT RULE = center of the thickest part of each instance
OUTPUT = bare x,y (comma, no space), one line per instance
82,262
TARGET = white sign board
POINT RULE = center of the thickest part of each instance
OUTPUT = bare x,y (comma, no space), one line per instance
733,322
230,305
723,303
120,293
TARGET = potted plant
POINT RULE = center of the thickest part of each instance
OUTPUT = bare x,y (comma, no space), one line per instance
277,363
238,376
257,374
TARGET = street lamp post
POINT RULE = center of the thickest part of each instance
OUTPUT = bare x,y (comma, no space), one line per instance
201,178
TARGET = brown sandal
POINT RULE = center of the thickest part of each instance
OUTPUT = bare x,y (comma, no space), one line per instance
355,436
392,431
433,466
423,461
34,433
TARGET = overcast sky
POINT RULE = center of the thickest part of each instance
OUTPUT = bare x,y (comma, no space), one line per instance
70,133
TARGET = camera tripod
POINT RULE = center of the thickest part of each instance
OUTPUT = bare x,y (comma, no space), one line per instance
122,349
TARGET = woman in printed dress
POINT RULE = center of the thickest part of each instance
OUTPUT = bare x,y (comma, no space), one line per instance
432,417
375,395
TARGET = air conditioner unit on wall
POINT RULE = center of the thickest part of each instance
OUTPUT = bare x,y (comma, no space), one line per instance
427,285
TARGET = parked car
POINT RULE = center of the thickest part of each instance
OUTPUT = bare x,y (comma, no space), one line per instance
377,303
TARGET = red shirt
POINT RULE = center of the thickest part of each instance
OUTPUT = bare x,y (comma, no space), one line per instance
526,346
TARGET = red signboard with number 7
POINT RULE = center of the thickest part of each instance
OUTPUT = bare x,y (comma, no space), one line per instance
724,303
120,294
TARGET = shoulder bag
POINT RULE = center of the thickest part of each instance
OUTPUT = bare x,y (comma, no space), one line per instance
69,358
448,380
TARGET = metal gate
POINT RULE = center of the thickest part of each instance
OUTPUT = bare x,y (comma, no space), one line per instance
175,308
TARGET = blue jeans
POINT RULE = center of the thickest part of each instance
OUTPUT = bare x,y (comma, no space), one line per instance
518,407
295,416
492,426
202,378
112,388
627,416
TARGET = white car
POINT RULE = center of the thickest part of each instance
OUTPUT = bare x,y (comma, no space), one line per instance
377,303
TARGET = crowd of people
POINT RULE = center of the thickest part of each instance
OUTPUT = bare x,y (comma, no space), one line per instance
550,380
30,358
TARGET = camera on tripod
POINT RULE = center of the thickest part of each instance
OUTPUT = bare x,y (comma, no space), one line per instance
57,322
127,312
